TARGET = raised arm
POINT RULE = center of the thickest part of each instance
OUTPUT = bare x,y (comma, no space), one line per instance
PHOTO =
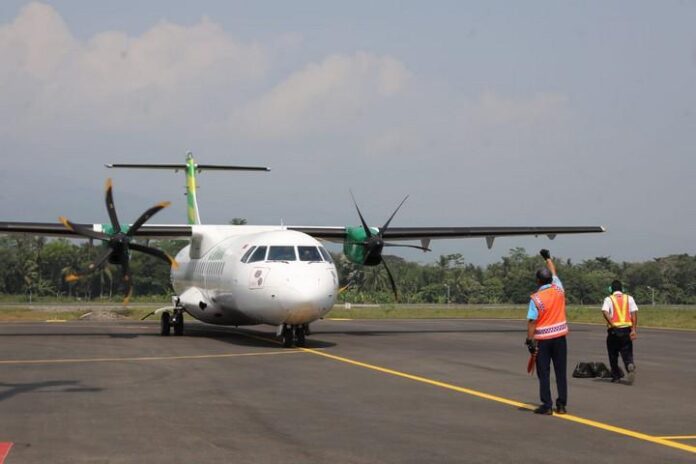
549,262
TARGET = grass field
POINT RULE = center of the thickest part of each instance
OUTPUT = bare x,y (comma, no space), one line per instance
679,317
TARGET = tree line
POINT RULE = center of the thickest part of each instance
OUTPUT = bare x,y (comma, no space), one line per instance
35,266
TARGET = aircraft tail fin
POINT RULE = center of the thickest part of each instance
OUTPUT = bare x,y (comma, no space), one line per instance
190,168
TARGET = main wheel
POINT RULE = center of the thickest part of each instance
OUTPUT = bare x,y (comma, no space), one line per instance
300,336
287,337
179,324
165,324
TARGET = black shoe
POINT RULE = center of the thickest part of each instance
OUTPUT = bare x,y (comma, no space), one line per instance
543,410
615,379
560,409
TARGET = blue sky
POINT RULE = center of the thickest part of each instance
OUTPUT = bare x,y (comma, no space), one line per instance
488,113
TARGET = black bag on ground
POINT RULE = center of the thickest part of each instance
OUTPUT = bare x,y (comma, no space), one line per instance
588,370
583,370
599,369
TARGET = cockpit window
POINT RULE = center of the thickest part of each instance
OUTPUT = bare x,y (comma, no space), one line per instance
282,253
247,254
309,253
258,255
325,254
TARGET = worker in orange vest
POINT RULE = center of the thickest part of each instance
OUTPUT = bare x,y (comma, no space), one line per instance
621,313
546,336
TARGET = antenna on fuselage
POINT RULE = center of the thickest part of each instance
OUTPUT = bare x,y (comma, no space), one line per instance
190,168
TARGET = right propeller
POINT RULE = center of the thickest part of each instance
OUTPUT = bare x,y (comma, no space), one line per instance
119,243
370,244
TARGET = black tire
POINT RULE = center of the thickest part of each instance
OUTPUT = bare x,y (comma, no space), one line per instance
287,337
165,324
300,339
179,324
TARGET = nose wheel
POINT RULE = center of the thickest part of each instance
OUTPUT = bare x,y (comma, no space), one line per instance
294,335
174,320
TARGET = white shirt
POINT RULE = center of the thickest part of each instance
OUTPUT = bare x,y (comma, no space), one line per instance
608,306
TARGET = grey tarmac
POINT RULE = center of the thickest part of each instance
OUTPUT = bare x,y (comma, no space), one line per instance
392,391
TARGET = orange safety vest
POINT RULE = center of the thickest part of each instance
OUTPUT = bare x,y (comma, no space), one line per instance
551,323
621,316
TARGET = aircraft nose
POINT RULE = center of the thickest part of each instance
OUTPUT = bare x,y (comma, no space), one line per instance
307,296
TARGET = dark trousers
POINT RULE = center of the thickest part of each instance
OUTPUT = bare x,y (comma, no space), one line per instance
556,350
619,342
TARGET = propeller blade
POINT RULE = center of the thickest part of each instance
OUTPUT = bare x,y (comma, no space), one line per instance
146,216
362,219
93,267
81,230
407,246
156,253
128,280
111,208
391,280
344,288
386,225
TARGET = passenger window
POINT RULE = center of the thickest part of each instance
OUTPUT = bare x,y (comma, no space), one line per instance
282,253
308,253
247,254
325,254
258,255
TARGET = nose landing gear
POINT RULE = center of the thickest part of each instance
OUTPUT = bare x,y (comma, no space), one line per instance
175,320
294,335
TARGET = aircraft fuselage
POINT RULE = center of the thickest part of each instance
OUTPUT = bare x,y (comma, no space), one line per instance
270,276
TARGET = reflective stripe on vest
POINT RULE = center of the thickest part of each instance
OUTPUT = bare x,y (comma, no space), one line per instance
551,322
621,316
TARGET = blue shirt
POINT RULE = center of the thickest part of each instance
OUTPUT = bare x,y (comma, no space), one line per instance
533,312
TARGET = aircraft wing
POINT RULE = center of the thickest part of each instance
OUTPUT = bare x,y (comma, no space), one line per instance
425,234
57,229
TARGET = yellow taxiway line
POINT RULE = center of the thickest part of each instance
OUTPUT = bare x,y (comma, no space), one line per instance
144,358
680,437
499,399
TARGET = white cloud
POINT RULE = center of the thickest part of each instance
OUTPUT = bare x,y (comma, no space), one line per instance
323,96
115,81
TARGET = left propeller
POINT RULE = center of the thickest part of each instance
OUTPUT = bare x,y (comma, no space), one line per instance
119,243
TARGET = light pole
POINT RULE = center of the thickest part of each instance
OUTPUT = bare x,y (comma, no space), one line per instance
652,290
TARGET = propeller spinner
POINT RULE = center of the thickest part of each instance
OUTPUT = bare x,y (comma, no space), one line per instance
119,243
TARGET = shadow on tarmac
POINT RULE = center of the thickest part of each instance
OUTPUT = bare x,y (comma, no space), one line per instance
51,386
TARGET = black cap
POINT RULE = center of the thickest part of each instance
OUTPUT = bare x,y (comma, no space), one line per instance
544,276
616,286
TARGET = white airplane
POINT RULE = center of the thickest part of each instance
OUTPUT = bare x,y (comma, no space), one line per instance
248,274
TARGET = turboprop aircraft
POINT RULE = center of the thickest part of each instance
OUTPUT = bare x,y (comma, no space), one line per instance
279,275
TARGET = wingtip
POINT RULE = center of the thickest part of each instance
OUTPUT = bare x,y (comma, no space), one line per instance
63,220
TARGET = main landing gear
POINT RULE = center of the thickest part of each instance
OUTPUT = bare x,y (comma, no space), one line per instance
294,335
174,320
